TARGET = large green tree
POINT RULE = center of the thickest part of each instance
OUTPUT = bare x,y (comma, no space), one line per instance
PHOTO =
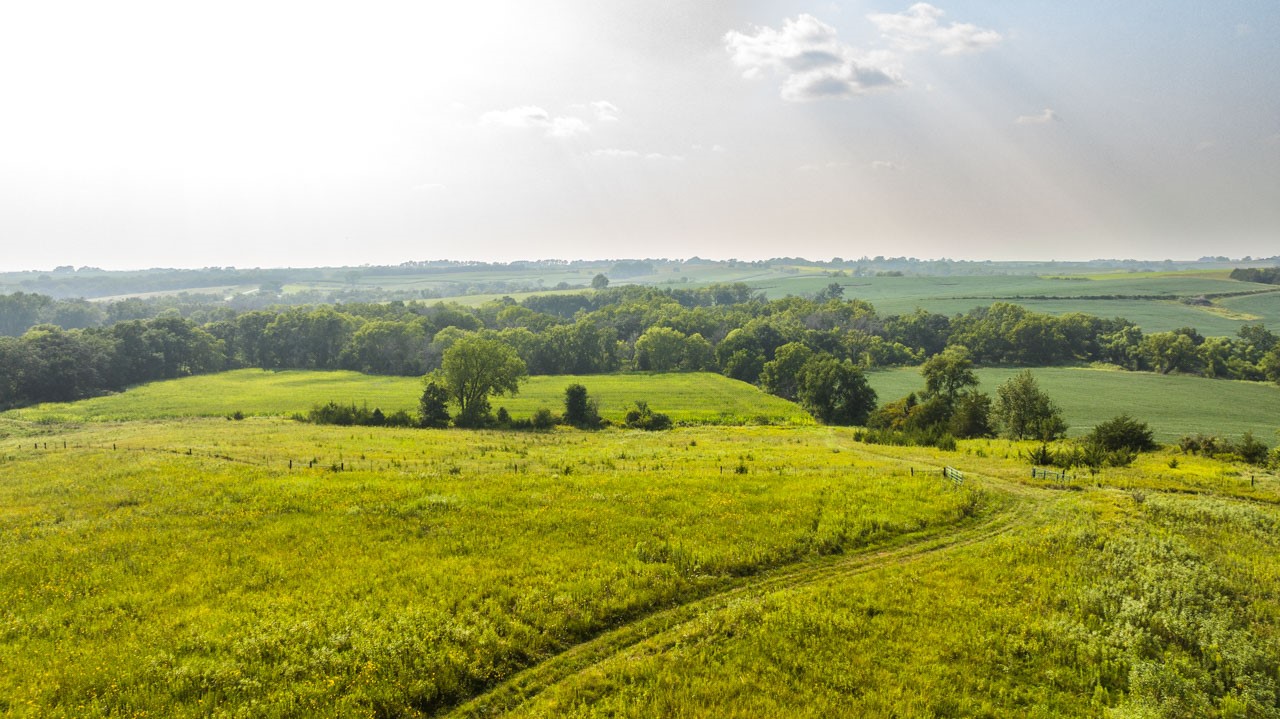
781,375
1024,411
474,369
835,392
948,373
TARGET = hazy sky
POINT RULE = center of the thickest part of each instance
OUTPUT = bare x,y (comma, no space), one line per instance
140,134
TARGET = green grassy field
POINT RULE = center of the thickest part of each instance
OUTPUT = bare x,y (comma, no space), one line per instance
690,398
186,568
1110,295
1173,405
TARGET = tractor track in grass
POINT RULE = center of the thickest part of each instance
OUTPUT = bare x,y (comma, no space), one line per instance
661,629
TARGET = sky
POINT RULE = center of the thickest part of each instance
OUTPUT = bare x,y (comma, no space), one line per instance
266,133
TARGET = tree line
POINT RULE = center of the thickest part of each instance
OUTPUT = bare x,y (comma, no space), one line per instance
795,347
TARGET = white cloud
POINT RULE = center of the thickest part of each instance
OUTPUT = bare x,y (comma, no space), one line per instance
1206,145
815,167
532,116
816,63
615,152
919,28
1045,117
885,166
605,111
567,127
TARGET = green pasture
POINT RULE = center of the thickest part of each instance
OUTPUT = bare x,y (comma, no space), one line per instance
690,398
1112,295
1265,305
201,567
1173,405
1172,285
184,568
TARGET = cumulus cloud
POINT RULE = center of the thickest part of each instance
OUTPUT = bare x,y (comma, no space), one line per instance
812,59
920,28
532,116
1045,117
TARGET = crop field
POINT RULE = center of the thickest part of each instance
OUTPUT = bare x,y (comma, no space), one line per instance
1266,304
1173,405
1149,299
690,398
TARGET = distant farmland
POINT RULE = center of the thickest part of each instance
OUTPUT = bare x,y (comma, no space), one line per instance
1173,405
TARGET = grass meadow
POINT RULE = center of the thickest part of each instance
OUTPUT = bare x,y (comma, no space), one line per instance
154,564
689,398
182,569
1173,405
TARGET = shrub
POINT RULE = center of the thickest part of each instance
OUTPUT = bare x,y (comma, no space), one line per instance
543,419
579,409
641,417
1122,433
1251,450
399,418
1248,449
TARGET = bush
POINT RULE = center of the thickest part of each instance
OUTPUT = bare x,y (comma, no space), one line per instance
347,415
543,419
579,409
399,418
1251,450
641,417
931,437
1248,449
1122,433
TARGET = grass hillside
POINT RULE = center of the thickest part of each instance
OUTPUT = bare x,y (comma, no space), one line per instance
694,398
183,568
1173,405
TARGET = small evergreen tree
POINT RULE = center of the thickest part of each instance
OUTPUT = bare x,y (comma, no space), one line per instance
433,408
579,409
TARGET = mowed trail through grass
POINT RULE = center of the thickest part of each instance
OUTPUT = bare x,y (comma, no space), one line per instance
1173,405
689,398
